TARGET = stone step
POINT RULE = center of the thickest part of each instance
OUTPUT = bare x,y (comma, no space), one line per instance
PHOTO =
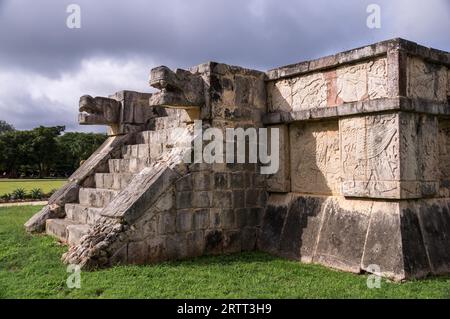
142,151
132,165
165,136
115,181
167,122
76,232
152,137
82,214
96,197
66,230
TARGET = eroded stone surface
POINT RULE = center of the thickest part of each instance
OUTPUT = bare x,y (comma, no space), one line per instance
370,161
427,80
363,179
315,158
281,181
345,84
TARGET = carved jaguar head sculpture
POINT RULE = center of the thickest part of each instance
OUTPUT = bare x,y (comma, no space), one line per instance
179,89
98,111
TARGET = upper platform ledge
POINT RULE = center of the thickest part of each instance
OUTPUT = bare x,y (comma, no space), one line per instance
362,53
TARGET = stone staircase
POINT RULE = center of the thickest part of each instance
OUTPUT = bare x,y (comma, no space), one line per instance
149,149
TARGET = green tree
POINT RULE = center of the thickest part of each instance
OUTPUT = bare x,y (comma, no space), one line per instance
15,151
76,147
5,127
44,147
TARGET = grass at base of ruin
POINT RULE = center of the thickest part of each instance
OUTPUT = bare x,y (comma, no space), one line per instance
30,267
7,186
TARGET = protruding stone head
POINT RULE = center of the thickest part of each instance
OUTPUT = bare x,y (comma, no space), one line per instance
98,111
179,89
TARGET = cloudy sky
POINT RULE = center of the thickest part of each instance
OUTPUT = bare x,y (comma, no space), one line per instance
45,67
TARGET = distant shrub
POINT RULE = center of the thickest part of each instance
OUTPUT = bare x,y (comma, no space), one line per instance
19,193
5,197
36,193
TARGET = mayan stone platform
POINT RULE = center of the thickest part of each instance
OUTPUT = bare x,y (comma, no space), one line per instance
364,176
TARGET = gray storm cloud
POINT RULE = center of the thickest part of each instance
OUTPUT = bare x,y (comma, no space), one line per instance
48,65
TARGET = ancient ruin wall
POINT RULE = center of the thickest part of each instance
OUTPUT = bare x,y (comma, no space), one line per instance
364,179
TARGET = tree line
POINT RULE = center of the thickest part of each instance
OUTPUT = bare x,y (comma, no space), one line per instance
44,151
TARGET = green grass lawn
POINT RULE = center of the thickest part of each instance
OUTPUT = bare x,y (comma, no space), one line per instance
30,267
9,185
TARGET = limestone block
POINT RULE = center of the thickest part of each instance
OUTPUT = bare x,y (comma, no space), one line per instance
419,150
138,252
427,80
342,235
201,219
280,181
156,249
301,228
448,84
214,241
166,201
185,220
202,181
399,239
280,96
183,199
309,91
273,222
221,180
315,158
222,199
434,219
201,199
382,147
248,235
370,156
444,157
353,148
227,218
377,78
238,198
195,243
383,246
166,222
237,180
352,82
232,242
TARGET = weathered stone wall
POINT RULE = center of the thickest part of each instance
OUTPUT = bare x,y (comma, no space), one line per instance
367,142
427,80
351,83
364,175
405,239
315,158
213,208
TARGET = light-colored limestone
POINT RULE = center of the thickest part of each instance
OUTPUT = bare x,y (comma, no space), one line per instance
427,80
315,158
280,96
377,78
309,91
352,83
369,151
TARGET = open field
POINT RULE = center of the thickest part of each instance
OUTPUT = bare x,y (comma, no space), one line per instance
30,267
9,185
